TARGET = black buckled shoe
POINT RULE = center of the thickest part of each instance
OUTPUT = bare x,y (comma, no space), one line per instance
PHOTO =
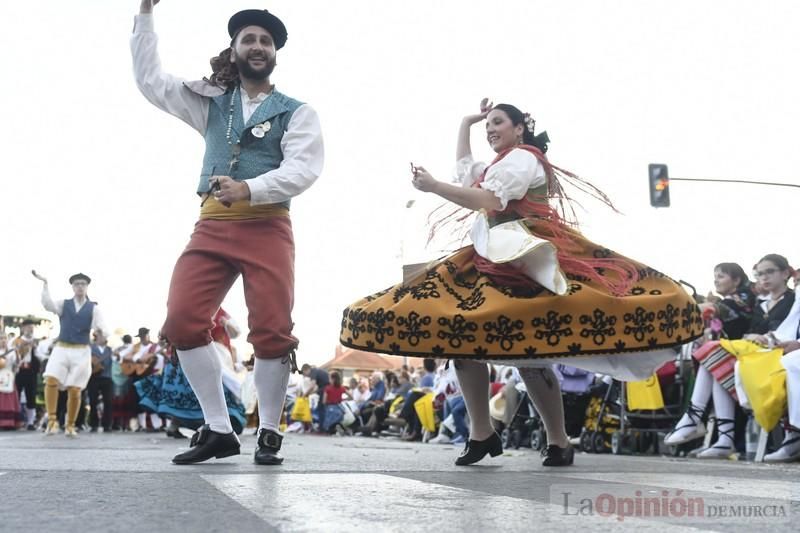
267,448
206,444
475,450
556,456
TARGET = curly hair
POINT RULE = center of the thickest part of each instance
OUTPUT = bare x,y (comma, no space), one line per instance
224,73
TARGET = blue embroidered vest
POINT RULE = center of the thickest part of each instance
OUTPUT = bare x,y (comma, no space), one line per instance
76,326
257,156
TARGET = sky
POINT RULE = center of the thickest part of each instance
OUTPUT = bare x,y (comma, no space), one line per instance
98,180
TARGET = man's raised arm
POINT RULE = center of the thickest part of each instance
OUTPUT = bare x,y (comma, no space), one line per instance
163,90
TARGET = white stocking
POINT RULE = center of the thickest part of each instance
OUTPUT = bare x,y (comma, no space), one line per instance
724,410
271,377
545,393
204,373
702,388
700,395
473,378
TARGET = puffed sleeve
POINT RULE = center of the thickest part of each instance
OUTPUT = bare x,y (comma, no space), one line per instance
511,177
468,170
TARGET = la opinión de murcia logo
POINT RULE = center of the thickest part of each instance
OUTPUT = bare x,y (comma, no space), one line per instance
664,505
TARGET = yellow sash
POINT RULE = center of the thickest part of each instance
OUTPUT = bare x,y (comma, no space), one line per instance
212,209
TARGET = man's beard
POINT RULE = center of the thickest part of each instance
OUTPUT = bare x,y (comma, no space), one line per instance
246,71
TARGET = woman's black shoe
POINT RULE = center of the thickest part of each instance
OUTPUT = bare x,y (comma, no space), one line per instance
555,456
475,450
206,444
267,448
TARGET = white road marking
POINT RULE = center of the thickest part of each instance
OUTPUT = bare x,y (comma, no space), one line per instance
345,502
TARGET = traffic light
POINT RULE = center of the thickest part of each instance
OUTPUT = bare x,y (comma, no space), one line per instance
658,180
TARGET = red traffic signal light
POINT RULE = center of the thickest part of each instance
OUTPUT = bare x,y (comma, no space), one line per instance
658,181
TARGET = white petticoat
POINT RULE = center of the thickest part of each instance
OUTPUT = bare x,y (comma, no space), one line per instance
512,242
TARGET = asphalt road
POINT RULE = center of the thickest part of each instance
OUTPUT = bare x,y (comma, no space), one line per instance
125,482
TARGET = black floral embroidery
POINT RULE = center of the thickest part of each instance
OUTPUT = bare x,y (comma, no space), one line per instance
355,322
650,273
413,325
425,290
458,330
379,324
602,253
553,327
472,302
690,316
394,347
530,351
503,330
400,293
637,291
652,342
656,292
370,345
437,350
668,318
574,348
574,288
619,345
641,323
373,297
480,351
601,326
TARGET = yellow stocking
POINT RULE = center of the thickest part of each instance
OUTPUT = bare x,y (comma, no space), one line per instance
51,397
73,404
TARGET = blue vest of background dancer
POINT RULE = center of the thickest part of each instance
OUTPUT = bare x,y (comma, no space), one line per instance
258,155
76,326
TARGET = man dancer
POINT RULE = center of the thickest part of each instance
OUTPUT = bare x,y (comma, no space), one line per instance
262,149
29,366
70,365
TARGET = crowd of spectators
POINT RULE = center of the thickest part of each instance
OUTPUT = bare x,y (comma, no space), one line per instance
425,404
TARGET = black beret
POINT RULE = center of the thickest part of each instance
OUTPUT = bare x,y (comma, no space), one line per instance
75,277
261,18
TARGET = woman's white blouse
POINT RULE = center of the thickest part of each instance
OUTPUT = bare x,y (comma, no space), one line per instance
509,179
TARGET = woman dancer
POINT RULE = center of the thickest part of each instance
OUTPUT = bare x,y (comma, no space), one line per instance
531,290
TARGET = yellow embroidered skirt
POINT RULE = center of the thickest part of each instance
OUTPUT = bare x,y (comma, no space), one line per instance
451,310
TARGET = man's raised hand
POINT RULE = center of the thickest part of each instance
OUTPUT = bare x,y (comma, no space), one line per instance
146,6
39,276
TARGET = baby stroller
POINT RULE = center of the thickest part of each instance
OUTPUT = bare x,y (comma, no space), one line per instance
602,418
621,430
526,427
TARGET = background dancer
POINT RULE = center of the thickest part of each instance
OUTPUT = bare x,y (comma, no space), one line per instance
262,149
530,292
28,371
70,364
